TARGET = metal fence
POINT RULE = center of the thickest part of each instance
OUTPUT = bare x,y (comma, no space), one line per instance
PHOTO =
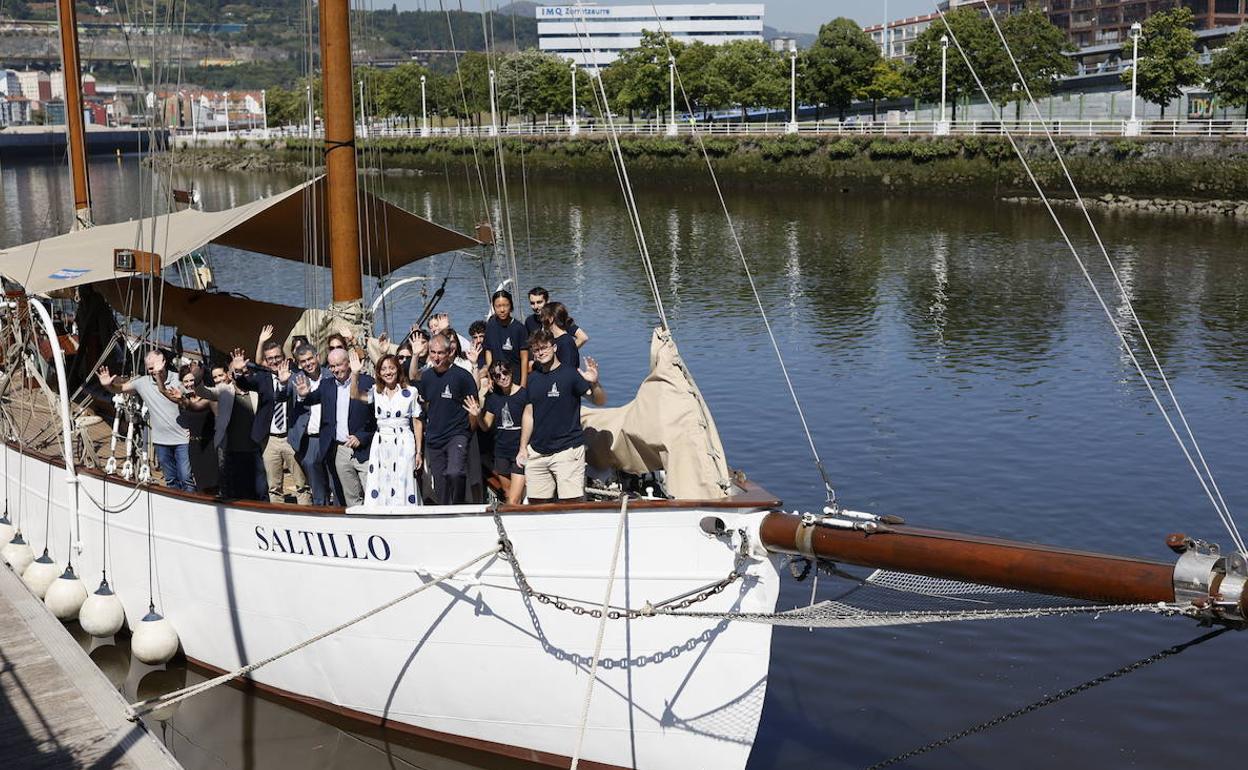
1068,128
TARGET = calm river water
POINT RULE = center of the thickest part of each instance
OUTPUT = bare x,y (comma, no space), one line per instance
956,370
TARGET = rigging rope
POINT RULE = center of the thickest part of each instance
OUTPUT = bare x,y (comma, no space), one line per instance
1216,499
602,630
745,265
168,699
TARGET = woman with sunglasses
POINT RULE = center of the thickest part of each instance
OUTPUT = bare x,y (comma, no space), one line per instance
501,417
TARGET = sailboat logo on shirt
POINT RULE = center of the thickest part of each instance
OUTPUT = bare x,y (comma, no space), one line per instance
507,344
446,392
554,390
507,422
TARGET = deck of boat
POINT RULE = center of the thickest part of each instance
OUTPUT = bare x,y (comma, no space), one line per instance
56,708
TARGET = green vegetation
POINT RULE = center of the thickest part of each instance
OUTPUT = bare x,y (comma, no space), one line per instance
1193,169
1167,57
1228,72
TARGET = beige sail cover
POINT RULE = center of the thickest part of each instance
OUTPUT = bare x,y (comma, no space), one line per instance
277,226
666,427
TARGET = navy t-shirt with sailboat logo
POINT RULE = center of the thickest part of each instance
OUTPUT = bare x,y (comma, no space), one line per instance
556,400
444,394
508,411
506,342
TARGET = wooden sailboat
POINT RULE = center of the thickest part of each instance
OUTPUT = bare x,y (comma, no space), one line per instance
496,656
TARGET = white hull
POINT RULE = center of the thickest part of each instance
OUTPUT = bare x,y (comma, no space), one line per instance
473,659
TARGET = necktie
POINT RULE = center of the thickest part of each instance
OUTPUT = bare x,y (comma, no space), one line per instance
279,411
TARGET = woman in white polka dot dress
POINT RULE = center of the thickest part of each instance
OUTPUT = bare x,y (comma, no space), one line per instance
396,451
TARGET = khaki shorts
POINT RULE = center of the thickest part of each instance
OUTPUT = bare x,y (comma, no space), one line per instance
560,475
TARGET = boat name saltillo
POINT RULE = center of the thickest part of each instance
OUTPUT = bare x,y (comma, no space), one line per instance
302,542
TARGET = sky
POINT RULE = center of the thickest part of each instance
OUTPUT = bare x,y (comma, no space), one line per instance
784,15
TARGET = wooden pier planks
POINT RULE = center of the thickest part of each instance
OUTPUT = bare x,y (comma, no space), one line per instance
57,710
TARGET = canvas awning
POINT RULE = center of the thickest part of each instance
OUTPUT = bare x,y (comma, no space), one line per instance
277,226
225,321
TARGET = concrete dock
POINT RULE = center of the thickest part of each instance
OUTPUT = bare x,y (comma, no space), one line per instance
57,710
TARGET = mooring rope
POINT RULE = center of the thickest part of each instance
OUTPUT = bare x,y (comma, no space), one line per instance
602,630
142,707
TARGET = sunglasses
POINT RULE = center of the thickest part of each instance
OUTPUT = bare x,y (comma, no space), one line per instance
337,347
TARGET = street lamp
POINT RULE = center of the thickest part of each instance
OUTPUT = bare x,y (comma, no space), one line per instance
227,116
424,115
1133,125
493,110
264,111
574,127
942,126
791,128
671,96
363,116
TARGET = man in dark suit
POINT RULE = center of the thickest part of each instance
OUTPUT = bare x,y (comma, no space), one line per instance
271,429
347,427
305,426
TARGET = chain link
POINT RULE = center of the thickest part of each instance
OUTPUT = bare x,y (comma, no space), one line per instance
507,553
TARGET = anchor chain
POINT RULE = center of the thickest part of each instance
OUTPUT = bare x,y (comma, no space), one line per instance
507,553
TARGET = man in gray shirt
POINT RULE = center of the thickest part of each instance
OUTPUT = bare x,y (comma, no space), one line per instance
168,435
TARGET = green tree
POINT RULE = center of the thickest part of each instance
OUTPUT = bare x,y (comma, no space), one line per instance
286,107
1228,72
638,80
1040,50
755,74
1167,57
839,65
399,92
700,76
979,41
467,94
888,81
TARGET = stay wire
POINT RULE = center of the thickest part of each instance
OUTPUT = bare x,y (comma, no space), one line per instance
1174,399
1222,515
603,103
745,264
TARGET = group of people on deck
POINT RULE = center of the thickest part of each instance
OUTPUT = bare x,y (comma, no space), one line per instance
380,423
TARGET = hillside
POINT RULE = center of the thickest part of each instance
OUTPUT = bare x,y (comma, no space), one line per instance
252,45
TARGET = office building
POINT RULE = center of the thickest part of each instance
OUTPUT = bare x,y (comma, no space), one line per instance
595,35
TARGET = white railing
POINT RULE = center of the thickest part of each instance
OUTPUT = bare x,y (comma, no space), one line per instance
1058,127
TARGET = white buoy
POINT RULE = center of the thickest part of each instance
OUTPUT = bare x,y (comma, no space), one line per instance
17,553
6,528
40,574
154,641
66,595
102,615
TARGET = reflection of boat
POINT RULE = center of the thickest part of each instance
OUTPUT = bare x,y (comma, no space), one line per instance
495,657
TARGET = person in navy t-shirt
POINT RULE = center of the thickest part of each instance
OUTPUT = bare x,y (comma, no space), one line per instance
446,390
552,445
506,338
556,320
501,416
538,297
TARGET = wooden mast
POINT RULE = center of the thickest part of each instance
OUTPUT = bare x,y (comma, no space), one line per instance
975,559
74,124
341,186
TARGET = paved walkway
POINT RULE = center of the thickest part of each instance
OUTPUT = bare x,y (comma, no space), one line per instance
57,710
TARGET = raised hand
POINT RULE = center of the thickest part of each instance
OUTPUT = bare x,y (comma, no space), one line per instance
355,361
283,370
266,333
238,359
302,386
591,370
473,351
472,406
420,346
106,377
